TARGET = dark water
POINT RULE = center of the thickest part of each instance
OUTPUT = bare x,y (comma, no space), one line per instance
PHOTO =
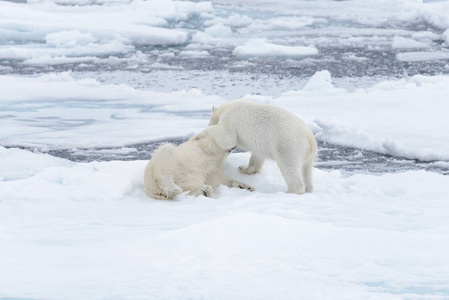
330,157
375,62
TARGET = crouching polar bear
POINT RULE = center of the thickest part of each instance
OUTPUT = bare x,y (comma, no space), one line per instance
269,132
194,166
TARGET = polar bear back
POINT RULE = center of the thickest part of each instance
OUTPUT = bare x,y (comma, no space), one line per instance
264,128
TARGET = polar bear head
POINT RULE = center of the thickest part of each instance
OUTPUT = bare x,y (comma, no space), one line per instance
209,144
218,111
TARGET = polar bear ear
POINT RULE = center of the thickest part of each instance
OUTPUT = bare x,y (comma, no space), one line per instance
214,108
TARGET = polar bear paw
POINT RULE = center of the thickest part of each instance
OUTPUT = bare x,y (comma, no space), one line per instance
204,190
247,170
207,190
177,190
246,187
237,184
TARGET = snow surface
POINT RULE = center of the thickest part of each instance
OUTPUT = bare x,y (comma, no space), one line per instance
259,47
405,43
422,56
88,230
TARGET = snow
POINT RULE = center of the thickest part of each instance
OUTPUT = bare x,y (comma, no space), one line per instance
69,39
194,53
422,56
73,230
446,36
88,230
57,110
59,60
321,82
14,163
435,13
425,36
99,29
260,47
219,30
388,118
22,52
203,38
400,42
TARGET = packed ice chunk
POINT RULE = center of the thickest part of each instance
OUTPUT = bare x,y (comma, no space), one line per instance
400,42
261,48
446,36
219,30
194,53
69,39
321,82
422,56
425,36
203,38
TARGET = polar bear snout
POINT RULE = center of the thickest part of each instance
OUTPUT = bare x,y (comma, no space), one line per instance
232,149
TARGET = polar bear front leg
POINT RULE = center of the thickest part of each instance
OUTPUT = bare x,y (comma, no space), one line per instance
204,190
254,166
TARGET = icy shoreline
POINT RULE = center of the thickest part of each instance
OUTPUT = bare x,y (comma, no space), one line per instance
58,111
347,160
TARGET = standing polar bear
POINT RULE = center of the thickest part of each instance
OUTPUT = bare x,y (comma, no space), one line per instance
194,166
268,132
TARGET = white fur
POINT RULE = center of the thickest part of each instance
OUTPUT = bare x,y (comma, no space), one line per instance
194,166
269,132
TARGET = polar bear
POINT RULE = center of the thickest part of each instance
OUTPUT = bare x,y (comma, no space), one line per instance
269,132
194,166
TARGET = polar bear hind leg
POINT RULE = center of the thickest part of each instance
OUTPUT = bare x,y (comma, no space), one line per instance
307,170
292,171
168,186
165,189
158,180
